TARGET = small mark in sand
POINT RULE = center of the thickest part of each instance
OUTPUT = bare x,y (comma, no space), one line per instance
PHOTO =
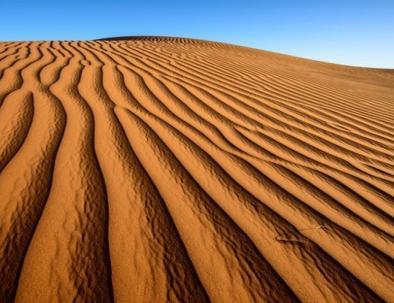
290,239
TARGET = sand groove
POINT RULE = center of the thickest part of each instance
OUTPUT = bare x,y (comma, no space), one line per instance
177,170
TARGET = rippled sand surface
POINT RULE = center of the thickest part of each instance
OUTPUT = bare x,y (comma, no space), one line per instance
176,170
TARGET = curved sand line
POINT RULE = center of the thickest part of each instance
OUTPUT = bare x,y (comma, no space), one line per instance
159,169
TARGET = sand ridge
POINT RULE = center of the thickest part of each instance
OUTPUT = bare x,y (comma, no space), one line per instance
159,169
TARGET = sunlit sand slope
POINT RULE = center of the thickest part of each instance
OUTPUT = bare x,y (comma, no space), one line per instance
177,170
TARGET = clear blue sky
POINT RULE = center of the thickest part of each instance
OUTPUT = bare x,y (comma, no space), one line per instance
354,32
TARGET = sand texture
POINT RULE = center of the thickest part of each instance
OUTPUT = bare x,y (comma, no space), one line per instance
176,170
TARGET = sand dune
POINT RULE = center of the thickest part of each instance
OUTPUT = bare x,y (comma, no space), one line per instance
176,170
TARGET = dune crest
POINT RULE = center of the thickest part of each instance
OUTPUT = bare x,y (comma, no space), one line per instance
159,169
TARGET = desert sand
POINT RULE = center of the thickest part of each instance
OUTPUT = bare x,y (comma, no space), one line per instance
177,170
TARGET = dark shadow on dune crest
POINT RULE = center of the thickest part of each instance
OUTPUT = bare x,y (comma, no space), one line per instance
145,37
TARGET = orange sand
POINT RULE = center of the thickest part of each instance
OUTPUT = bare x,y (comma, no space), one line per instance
177,170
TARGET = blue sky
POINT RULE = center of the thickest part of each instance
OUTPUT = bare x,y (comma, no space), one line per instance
354,32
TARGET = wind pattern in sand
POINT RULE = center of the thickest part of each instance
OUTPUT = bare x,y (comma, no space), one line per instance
177,170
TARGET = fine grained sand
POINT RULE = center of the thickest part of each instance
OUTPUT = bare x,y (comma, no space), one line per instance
176,170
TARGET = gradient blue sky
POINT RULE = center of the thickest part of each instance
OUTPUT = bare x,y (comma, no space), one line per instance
354,32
